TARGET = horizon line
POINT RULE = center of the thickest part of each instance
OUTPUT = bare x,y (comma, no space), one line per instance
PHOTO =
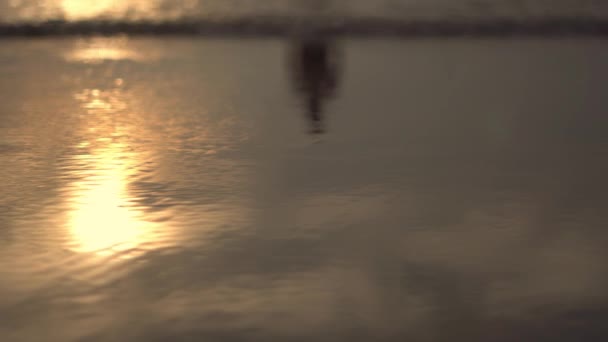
285,26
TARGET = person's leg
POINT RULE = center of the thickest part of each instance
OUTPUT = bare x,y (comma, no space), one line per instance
315,113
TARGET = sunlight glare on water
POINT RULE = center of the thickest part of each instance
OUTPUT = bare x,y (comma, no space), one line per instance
97,50
101,218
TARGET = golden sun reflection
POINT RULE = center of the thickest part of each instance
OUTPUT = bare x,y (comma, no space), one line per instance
104,53
99,49
102,219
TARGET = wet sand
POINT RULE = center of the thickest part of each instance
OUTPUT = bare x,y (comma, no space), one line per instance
171,189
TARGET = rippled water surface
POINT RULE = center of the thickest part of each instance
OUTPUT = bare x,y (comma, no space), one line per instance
170,190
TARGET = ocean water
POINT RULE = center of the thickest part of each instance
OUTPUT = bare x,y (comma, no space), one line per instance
191,189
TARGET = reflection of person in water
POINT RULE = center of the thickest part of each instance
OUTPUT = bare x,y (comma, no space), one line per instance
315,67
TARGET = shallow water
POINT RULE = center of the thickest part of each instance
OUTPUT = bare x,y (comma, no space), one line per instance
170,189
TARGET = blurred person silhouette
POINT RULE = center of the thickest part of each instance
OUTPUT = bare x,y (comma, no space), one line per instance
315,66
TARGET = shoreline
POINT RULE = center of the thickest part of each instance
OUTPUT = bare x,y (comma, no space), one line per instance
279,27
